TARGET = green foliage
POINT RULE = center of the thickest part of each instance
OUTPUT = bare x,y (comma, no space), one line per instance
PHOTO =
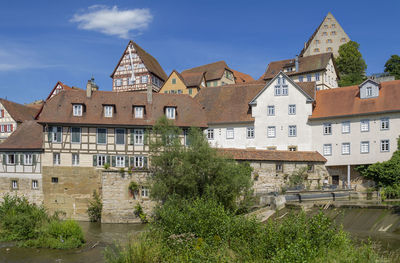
95,207
140,213
298,177
392,66
106,166
33,227
195,170
133,187
350,64
390,191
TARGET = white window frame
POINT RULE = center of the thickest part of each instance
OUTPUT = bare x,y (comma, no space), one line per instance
292,109
271,110
108,111
75,159
170,113
364,145
97,136
101,160
278,91
364,125
346,148
28,159
368,92
144,79
210,134
139,110
138,161
138,136
327,149
77,109
271,132
317,77
346,127
250,132
292,131
120,161
144,191
56,158
230,133
13,159
54,132
327,128
385,125
116,136
14,184
118,82
35,184
385,145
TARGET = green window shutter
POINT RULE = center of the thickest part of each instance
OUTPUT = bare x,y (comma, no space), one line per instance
131,161
16,158
34,159
59,134
126,161
145,164
4,158
131,141
108,159
49,134
146,137
94,160
21,159
114,161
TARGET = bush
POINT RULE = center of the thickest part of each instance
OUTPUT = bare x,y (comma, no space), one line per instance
140,213
390,192
95,208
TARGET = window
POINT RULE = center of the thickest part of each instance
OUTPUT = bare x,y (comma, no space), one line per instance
343,39
310,168
301,78
54,180
369,91
346,148
120,161
325,26
2,113
308,77
333,33
145,191
170,112
329,41
317,41
327,128
292,131
101,135
327,149
139,112
190,91
108,111
333,25
77,110
364,125
281,88
277,90
329,49
14,184
119,136
11,159
75,135
292,148
364,147
75,159
138,162
271,110
292,109
131,81
230,133
118,82
144,79
179,91
210,134
324,33
317,76
173,81
271,132
285,90
279,167
55,134
28,159
316,49
385,124
35,184
138,136
101,160
384,145
56,159
346,127
250,133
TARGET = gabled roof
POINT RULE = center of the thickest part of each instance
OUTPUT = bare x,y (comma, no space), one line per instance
307,88
369,80
346,101
28,136
192,79
274,155
306,65
59,109
213,70
19,112
307,44
149,62
229,103
241,77
59,83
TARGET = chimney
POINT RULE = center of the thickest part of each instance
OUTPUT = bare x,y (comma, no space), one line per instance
89,89
149,94
296,63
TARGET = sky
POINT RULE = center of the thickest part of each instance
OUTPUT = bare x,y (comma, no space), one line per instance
42,42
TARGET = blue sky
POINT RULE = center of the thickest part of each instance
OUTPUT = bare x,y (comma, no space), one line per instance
42,42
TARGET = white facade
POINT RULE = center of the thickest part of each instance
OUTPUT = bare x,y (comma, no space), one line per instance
7,123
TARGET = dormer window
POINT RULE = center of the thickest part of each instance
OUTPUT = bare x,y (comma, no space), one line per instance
108,111
77,109
369,91
139,112
170,113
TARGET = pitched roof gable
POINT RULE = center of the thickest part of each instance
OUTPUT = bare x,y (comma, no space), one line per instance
28,136
241,77
212,71
149,61
19,112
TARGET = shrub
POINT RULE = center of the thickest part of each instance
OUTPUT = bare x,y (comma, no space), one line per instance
140,213
95,208
391,192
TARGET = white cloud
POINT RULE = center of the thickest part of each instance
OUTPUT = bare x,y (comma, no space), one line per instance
113,21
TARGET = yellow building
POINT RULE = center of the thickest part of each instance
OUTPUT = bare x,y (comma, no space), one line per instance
184,83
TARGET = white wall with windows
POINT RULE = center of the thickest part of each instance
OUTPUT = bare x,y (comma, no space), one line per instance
358,139
231,135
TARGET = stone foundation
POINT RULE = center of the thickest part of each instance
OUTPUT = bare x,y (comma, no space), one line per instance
24,188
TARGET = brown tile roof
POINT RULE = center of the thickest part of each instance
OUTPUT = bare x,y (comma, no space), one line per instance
64,86
241,77
149,61
306,64
59,108
229,103
213,70
28,136
308,87
268,155
192,79
19,112
346,101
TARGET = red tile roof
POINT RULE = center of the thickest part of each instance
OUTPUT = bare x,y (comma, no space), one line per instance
19,112
59,108
241,77
346,101
269,155
192,79
213,70
28,136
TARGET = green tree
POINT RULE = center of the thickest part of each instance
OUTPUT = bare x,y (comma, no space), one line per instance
350,64
195,170
392,66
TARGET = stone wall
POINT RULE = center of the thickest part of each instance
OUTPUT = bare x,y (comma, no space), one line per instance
118,203
24,188
73,190
357,182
